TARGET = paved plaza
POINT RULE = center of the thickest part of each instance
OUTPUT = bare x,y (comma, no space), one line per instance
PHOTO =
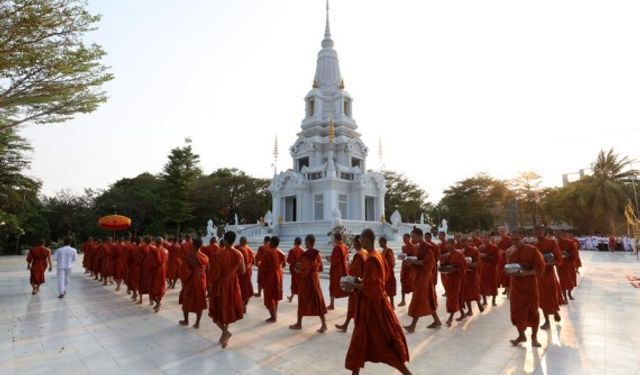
95,330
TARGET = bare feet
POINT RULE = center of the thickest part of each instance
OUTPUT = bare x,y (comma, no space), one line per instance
183,323
139,302
156,309
434,325
402,304
546,325
322,329
330,307
461,318
518,340
196,326
448,323
257,295
295,326
342,327
409,329
290,298
481,308
494,304
270,320
557,317
535,343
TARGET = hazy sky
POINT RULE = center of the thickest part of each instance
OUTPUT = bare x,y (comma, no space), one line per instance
453,87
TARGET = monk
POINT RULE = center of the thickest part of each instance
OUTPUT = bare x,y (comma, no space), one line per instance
193,296
548,284
453,282
106,261
258,260
246,285
339,267
436,250
523,292
135,263
424,301
310,298
120,262
390,284
503,244
377,336
129,246
293,257
489,257
567,269
96,261
471,283
272,265
87,247
37,260
444,246
147,268
158,273
225,297
209,250
578,261
174,263
406,273
355,269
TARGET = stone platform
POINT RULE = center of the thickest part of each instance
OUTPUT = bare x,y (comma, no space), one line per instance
95,330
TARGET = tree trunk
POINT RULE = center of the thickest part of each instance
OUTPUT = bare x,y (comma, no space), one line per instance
612,223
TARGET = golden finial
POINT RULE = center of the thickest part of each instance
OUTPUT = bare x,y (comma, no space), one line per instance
332,130
315,84
342,84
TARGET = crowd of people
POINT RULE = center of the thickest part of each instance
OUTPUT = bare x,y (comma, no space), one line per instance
218,277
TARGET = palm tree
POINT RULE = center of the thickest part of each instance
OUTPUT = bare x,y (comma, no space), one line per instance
604,191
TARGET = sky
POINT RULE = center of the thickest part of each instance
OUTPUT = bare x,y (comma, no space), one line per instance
452,88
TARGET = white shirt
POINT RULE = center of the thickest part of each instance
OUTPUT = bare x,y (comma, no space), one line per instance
65,256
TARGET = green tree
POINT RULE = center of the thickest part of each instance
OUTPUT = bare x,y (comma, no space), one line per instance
475,203
605,191
528,192
180,174
47,73
69,214
405,196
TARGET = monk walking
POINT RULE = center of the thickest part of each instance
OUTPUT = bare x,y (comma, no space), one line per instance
406,272
246,285
37,260
424,301
355,269
120,262
259,256
503,244
225,297
471,283
455,264
174,263
293,257
567,269
548,284
489,257
193,296
87,248
147,267
390,285
523,295
310,298
159,273
272,265
377,336
339,267
135,262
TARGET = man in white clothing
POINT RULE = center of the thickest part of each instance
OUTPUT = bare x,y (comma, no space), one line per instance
65,257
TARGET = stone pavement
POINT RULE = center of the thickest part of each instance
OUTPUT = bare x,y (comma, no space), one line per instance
95,330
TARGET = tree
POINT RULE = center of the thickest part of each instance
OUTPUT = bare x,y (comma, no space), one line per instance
48,73
527,190
72,215
605,191
475,203
405,196
180,174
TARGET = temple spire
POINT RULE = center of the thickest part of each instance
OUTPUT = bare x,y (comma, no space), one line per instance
327,42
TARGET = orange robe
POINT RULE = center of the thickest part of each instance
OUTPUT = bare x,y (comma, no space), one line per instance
246,285
225,299
578,261
567,270
489,274
193,296
548,284
135,262
147,267
444,249
377,335
471,283
503,245
523,292
173,265
391,284
339,268
159,272
453,283
356,269
424,300
183,252
293,257
86,259
120,264
210,250
272,264
310,298
406,272
38,257
96,259
106,259
436,253
259,256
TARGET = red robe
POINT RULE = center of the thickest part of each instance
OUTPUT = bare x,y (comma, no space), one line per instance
567,269
471,283
259,256
377,335
523,292
310,298
135,262
86,259
339,268
210,250
193,296
225,299
147,268
356,268
578,261
96,259
406,271
120,264
246,285
183,252
444,248
548,284
38,257
489,274
272,265
453,284
173,265
293,257
159,278
106,259
424,300
390,285
503,245
436,253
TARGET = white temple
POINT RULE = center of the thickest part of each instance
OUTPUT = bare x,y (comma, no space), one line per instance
328,183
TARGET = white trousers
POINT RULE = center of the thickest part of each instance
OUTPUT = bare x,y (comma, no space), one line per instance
63,279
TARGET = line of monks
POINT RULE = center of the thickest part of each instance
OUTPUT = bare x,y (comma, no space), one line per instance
219,277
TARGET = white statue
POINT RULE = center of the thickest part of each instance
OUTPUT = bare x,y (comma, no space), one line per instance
268,218
443,227
236,219
336,217
396,219
421,218
210,229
